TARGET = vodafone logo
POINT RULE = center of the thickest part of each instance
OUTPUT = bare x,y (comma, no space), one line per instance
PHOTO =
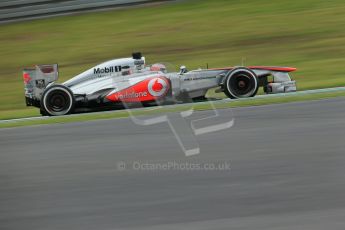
157,87
149,89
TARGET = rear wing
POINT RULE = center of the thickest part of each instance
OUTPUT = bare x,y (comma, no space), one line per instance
36,80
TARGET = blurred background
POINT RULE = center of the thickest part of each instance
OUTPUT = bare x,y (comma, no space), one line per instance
287,160
307,34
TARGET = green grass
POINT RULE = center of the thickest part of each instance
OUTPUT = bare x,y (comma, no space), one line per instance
164,110
307,34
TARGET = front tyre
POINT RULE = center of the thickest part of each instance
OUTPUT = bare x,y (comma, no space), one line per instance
57,100
241,83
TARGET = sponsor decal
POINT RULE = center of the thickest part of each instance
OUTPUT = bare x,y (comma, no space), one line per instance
131,95
111,69
40,84
139,62
199,78
26,77
157,87
149,89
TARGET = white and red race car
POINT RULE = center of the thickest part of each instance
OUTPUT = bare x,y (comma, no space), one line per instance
130,81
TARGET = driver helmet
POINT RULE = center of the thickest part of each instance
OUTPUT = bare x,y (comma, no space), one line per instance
158,67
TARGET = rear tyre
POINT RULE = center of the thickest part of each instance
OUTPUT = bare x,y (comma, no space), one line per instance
57,100
241,83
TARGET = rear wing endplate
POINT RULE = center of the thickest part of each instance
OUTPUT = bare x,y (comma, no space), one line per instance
37,79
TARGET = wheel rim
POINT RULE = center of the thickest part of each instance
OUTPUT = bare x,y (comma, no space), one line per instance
58,102
242,84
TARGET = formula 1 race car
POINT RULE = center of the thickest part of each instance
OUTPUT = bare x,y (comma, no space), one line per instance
130,81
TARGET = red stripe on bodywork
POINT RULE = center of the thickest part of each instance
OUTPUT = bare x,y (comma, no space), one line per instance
26,78
274,68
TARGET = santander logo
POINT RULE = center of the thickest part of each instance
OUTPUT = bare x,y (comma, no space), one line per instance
157,86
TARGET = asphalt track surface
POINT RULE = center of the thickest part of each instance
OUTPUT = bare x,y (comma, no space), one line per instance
287,172
298,93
